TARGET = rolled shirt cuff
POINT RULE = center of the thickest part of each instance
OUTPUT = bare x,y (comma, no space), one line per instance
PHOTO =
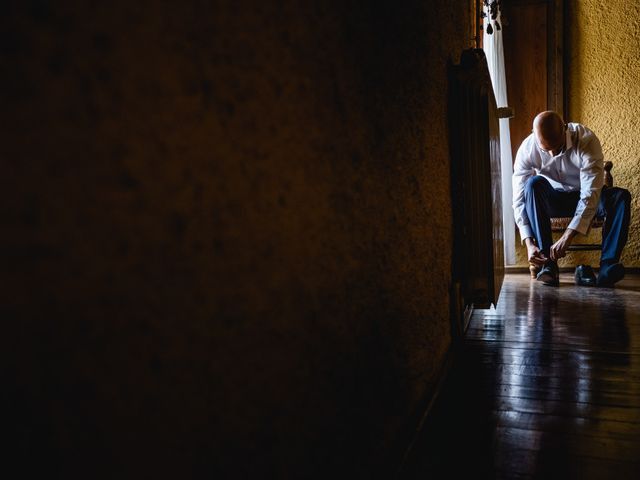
525,232
580,224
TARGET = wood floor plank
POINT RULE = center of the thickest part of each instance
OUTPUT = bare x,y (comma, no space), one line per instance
578,362
555,346
595,398
568,409
513,462
571,444
560,424
560,372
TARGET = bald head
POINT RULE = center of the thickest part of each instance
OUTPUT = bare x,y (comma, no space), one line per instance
549,129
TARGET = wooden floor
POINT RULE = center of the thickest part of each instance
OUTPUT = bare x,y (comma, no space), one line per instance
547,385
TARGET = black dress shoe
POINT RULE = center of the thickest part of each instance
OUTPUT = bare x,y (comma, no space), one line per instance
549,274
610,274
584,276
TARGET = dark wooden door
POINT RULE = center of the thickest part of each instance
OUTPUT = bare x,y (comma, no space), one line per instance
533,42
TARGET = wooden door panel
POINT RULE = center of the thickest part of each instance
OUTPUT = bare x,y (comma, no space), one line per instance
525,49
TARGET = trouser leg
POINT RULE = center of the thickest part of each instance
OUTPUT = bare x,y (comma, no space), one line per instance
615,205
543,202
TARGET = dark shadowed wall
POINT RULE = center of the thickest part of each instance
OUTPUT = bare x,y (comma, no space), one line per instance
227,231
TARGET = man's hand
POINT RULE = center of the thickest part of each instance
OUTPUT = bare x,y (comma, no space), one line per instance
536,257
559,249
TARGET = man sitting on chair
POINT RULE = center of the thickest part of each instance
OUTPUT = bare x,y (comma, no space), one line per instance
559,172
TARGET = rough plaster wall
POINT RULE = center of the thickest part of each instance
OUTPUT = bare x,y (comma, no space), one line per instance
604,74
229,233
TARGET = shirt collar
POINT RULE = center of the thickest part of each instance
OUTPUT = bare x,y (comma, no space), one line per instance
569,141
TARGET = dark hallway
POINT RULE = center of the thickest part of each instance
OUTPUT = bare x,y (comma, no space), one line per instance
547,385
228,251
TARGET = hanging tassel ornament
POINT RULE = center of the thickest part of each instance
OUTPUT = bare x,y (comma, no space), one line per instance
492,8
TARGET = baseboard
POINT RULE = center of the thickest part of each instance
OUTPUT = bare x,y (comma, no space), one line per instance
515,269
518,269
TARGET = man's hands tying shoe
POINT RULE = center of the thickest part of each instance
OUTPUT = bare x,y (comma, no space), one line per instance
559,249
549,269
536,257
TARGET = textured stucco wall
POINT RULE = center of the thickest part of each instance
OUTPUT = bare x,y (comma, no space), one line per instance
228,234
603,78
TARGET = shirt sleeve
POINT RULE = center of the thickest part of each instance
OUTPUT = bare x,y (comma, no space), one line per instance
523,169
591,182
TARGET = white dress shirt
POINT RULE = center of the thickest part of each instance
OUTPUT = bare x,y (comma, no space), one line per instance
578,167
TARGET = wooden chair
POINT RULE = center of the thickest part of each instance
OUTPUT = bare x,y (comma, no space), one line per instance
560,224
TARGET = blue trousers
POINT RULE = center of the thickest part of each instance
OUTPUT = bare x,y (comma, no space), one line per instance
542,202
